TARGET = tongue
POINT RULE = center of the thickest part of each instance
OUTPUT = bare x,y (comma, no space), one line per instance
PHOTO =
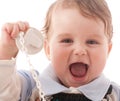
78,69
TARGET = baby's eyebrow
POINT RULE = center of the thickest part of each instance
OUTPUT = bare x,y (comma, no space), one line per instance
97,35
63,35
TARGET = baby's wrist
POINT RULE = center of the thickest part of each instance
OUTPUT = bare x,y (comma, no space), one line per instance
6,54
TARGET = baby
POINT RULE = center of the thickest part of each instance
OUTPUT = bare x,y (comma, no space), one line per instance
77,43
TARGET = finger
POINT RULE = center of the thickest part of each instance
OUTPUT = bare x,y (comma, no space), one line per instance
7,28
23,26
15,31
6,31
26,25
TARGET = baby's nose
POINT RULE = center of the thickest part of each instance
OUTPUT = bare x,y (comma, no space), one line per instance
80,50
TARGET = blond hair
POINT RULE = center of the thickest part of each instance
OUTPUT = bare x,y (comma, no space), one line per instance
94,9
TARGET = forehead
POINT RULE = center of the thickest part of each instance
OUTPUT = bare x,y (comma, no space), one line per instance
88,8
69,14
71,21
62,5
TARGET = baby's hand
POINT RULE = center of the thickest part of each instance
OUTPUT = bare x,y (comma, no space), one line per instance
9,32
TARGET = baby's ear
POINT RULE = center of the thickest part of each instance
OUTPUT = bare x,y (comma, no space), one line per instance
47,48
109,47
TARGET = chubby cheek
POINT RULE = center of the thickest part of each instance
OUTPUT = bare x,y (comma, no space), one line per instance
59,55
98,61
59,58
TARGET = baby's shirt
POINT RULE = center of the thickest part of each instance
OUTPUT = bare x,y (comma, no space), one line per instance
10,81
20,86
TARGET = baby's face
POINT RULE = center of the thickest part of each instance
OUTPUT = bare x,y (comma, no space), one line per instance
77,47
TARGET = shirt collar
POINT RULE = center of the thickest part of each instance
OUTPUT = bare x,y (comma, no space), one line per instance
94,90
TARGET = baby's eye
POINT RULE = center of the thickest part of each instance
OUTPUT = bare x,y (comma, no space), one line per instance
92,42
67,41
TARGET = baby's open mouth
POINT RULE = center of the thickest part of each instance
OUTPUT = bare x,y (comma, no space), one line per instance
78,69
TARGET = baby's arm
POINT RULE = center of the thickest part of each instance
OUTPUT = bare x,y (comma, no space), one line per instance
10,82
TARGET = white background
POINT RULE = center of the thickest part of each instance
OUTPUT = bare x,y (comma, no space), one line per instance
34,12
